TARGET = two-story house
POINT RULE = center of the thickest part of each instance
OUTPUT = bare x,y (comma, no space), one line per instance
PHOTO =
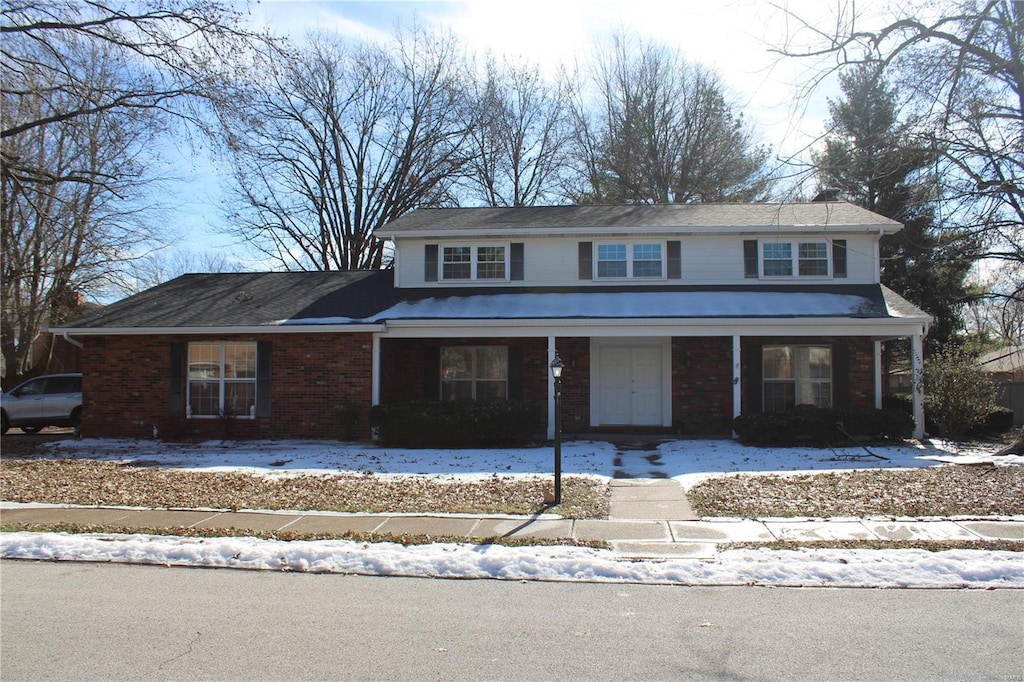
667,318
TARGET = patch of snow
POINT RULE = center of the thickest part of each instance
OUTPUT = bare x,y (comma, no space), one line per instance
803,567
688,461
656,304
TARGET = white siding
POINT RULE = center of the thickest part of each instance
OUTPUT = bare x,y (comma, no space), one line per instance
706,260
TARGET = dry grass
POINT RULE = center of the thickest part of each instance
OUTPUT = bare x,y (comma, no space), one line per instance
90,482
407,539
938,491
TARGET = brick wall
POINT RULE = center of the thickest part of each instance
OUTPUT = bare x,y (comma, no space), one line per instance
320,388
702,385
404,375
575,355
322,385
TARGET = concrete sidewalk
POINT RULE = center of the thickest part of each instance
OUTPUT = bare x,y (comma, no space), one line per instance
638,537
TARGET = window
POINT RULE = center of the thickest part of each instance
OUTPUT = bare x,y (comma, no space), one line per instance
611,260
796,375
458,262
474,372
490,262
643,260
474,262
221,379
813,259
778,259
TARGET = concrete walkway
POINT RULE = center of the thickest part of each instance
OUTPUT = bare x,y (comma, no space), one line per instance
638,536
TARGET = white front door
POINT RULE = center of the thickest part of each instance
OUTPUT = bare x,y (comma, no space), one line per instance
630,385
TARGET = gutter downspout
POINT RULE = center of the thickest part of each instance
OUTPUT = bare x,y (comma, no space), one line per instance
67,337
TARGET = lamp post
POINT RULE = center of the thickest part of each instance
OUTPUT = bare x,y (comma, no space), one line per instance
556,373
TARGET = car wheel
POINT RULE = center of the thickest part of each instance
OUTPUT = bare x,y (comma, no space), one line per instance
31,429
76,418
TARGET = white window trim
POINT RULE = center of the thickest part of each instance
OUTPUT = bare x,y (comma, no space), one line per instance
629,260
221,380
796,377
794,255
474,261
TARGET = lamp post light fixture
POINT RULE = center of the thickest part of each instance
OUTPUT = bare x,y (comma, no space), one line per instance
556,374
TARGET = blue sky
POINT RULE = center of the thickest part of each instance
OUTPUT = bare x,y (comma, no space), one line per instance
731,36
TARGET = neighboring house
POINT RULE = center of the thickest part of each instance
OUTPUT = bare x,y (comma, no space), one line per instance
1006,367
1004,364
667,318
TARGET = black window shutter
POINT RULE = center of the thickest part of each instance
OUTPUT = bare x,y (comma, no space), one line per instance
515,372
430,263
754,378
675,262
839,258
515,271
177,393
841,375
264,371
431,373
750,258
586,260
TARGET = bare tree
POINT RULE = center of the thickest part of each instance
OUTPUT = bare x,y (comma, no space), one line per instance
162,265
663,131
963,70
87,88
340,140
182,50
520,140
76,214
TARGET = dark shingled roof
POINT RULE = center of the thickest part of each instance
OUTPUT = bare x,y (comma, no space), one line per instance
308,298
539,218
247,299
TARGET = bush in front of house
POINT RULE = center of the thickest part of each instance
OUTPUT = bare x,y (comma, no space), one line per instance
818,426
958,395
999,420
432,424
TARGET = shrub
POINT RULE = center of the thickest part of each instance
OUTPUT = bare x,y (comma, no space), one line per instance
816,426
999,420
457,424
958,395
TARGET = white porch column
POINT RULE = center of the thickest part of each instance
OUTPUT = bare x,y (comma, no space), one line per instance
878,375
551,388
917,382
375,370
375,375
737,383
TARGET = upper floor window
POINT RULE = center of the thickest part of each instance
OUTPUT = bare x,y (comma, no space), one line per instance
630,260
783,259
474,262
221,379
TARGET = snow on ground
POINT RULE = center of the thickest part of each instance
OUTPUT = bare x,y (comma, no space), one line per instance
685,460
677,458
791,568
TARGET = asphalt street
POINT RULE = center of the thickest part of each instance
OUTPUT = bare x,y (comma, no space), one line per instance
78,621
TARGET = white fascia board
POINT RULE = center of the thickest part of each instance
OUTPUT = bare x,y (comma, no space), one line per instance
208,331
890,328
633,232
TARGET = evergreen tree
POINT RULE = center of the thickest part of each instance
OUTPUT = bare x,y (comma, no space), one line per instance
876,161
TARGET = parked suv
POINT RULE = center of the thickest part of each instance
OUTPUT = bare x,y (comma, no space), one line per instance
51,400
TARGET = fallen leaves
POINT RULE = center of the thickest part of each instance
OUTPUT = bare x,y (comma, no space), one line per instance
90,482
936,491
